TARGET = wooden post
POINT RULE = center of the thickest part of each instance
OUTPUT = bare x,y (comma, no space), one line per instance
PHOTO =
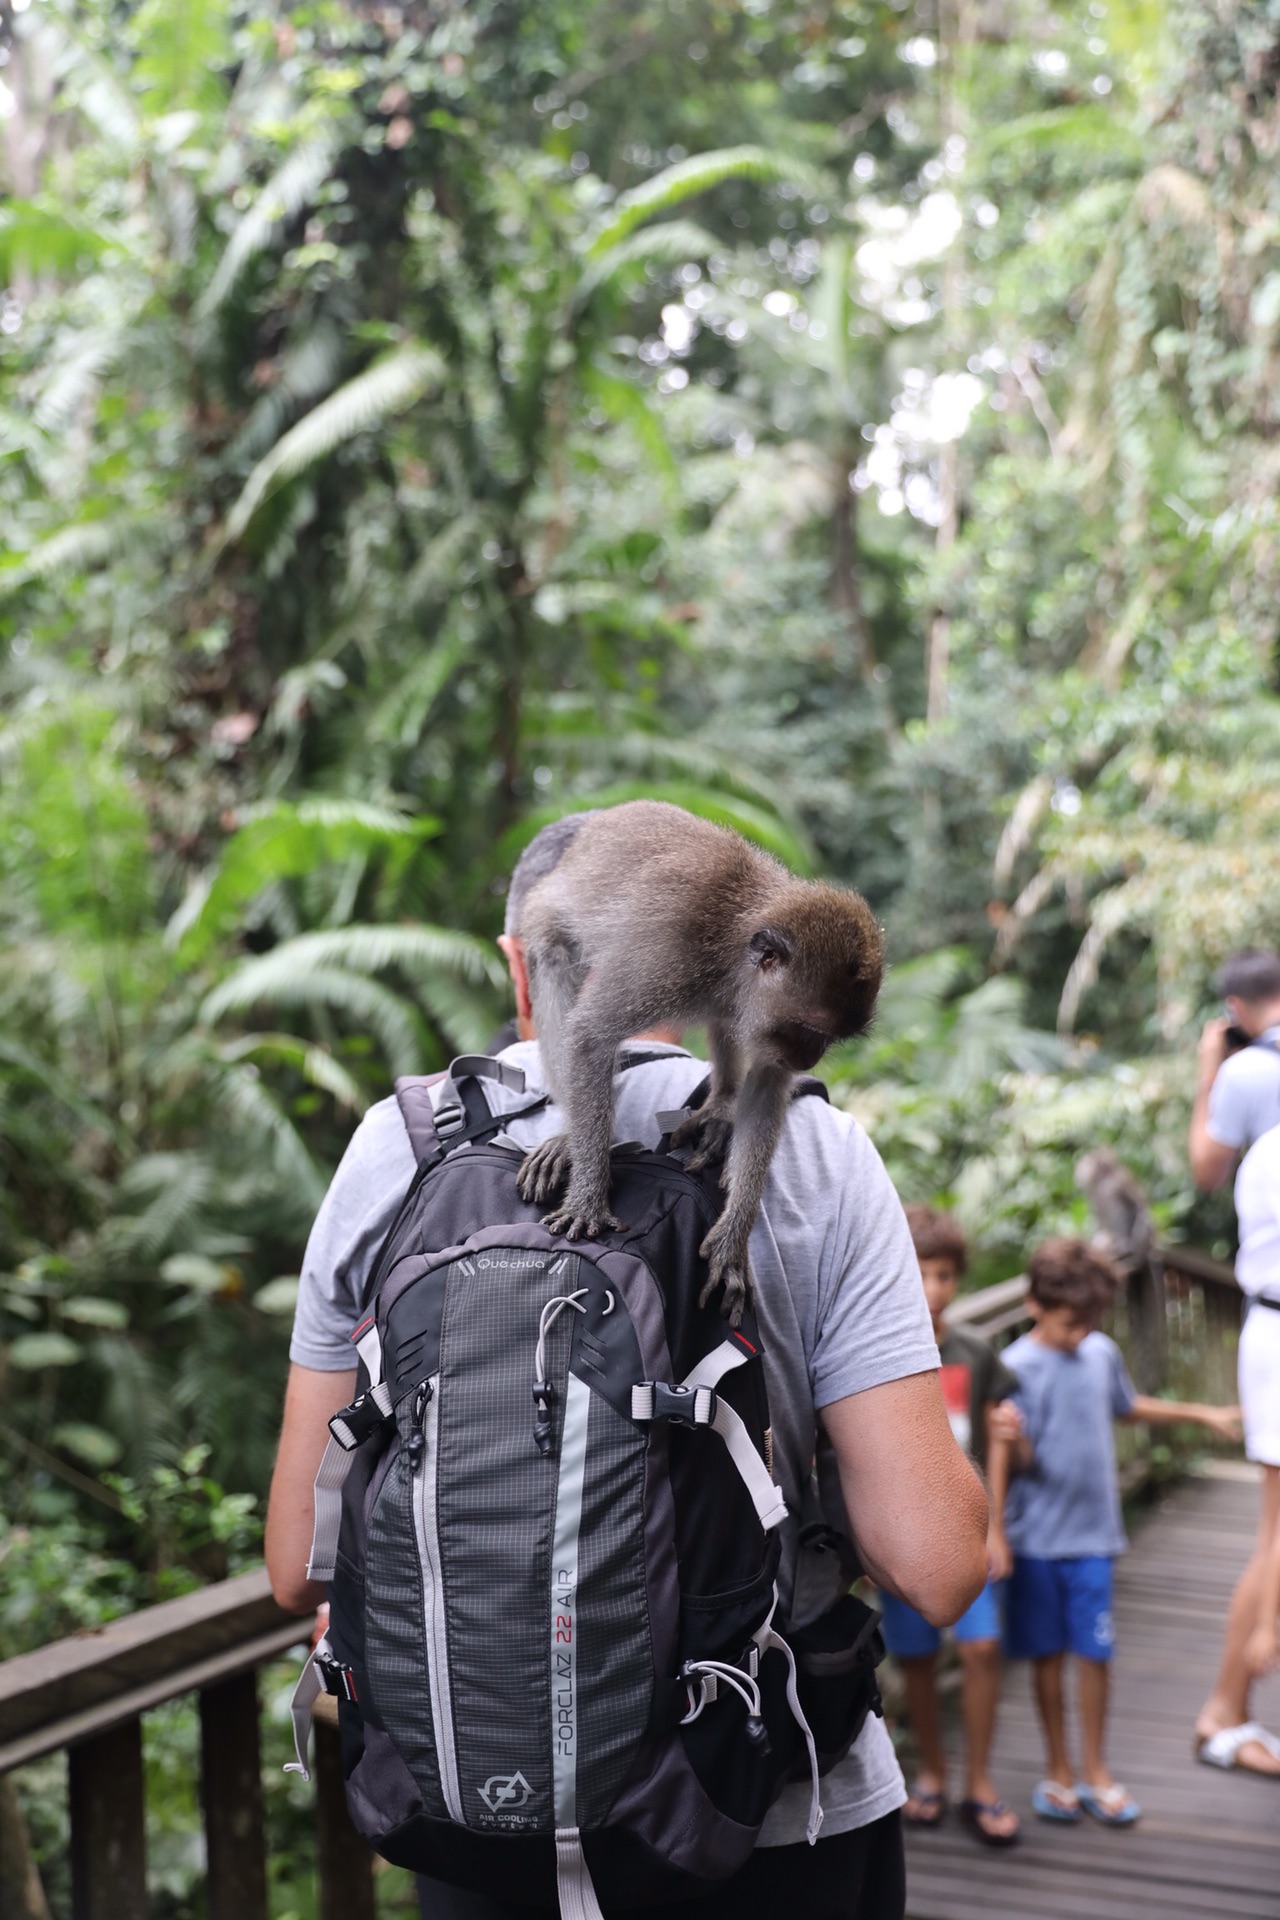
1148,1317
231,1789
344,1864
108,1838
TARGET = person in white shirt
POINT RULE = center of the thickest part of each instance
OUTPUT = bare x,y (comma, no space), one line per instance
1226,1736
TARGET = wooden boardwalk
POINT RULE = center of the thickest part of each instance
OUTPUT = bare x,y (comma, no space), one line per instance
1208,1846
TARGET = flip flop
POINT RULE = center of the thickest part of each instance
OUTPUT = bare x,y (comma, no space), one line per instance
1114,1806
1222,1749
935,1803
972,1813
1052,1801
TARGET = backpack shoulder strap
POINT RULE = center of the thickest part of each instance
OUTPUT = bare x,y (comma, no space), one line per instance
460,1113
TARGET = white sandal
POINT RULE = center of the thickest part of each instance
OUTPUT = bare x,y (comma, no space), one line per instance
1222,1749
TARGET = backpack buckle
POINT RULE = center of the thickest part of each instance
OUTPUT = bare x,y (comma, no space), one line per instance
335,1675
685,1406
351,1426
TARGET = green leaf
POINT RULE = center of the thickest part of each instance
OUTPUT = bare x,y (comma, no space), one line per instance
194,1271
699,173
279,1295
281,841
667,245
291,188
43,240
33,1352
90,1310
375,396
90,1444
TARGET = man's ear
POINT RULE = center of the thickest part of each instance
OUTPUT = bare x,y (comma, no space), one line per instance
512,947
770,947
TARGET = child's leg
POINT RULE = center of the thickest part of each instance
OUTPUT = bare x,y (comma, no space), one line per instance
1093,1682
980,1692
914,1645
1053,1718
920,1680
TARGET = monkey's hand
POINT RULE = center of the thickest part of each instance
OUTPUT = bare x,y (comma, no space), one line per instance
725,1251
582,1222
711,1127
545,1170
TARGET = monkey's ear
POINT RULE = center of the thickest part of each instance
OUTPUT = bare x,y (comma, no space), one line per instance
771,947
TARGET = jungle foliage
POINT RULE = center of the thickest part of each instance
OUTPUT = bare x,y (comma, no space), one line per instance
853,419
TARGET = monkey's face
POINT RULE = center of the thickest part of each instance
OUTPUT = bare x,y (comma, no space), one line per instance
818,972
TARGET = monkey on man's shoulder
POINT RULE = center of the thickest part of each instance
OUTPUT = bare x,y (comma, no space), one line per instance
652,917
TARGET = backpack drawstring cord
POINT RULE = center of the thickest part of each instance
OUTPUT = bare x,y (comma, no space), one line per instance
543,1391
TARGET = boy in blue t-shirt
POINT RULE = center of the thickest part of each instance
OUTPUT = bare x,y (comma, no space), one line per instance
1063,1513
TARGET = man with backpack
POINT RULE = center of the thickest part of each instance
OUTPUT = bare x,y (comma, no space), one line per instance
700,1653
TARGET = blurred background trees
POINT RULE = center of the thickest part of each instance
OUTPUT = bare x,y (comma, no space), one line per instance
856,421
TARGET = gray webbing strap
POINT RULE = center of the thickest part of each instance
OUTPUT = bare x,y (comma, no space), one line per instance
308,1690
336,1462
481,1067
766,1498
573,1879
765,1639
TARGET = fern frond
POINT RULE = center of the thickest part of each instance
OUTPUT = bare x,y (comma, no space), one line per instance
667,245
73,549
374,396
247,1104
416,949
315,1064
291,188
276,980
697,174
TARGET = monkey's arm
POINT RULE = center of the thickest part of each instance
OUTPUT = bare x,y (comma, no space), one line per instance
590,1051
711,1126
916,1507
760,1111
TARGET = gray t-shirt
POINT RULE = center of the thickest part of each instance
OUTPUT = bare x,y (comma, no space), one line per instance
1244,1101
838,1298
1068,1506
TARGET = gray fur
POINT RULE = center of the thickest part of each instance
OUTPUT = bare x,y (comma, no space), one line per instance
650,917
1119,1206
543,853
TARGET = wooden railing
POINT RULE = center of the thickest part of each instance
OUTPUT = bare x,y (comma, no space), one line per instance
88,1694
1178,1324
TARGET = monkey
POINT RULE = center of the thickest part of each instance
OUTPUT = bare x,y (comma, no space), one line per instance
1119,1207
654,917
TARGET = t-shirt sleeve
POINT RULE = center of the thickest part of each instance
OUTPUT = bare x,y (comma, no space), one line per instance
872,1321
1123,1391
1229,1119
354,1219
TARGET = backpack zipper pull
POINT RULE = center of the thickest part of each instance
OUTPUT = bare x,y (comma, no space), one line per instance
416,1445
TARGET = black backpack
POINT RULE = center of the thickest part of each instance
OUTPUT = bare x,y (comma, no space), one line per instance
550,1530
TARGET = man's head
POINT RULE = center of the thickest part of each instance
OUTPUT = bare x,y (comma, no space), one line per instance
943,1255
1070,1287
1249,984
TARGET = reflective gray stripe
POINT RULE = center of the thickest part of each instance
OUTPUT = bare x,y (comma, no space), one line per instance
564,1605
425,1526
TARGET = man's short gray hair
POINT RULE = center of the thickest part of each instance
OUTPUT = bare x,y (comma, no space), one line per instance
543,853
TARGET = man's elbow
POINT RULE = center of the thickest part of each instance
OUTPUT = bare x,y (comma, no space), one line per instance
949,1582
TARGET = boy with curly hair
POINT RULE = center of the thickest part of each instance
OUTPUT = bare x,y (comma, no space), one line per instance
1063,1514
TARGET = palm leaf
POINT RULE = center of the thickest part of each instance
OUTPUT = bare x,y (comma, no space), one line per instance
73,549
291,188
280,842
374,396
416,949
699,173
43,240
315,1064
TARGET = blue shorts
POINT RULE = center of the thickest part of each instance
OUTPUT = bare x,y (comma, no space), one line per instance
908,1635
1059,1606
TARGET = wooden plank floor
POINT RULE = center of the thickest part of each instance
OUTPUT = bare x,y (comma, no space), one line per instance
1208,1845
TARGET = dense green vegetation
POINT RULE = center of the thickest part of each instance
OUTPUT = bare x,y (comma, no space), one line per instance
854,419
